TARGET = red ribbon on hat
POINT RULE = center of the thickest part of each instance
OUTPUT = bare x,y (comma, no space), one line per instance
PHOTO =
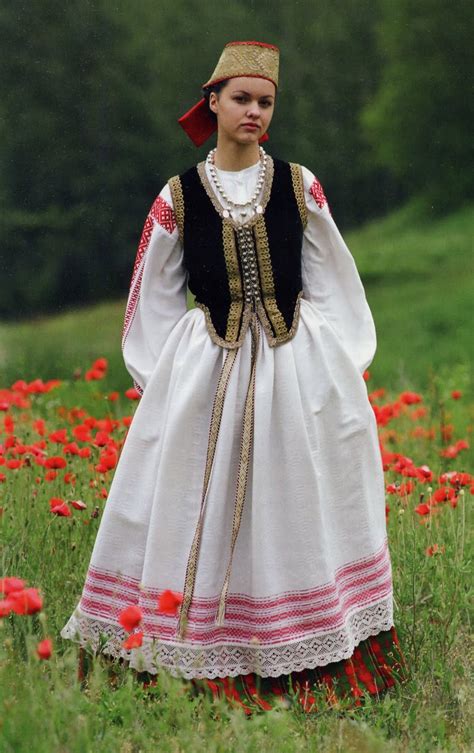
199,124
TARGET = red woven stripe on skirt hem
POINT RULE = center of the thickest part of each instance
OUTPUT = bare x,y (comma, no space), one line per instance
376,665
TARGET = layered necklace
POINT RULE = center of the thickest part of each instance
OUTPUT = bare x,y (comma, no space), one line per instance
252,203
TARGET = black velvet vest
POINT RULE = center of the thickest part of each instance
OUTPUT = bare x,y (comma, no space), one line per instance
234,270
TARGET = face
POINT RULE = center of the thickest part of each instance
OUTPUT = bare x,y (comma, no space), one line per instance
244,108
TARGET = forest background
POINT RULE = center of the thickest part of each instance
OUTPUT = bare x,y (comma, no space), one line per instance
373,98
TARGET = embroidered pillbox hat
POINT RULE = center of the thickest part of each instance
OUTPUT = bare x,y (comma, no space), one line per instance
254,59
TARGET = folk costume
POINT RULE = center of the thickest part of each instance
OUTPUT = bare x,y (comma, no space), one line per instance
250,483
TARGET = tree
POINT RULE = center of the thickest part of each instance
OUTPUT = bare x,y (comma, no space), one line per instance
419,121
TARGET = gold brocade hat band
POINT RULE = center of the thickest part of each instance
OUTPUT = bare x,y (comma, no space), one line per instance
254,59
247,59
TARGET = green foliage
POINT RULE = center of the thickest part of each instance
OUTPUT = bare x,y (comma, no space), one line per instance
420,120
93,136
76,163
417,269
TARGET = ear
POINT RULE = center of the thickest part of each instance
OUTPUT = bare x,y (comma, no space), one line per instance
213,101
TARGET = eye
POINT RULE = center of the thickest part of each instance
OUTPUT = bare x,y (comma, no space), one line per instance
240,98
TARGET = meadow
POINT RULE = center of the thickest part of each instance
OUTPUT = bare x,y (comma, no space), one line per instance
64,412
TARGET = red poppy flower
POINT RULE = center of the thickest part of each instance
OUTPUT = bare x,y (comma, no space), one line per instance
424,473
82,433
6,607
132,394
14,464
407,488
459,479
456,394
9,424
50,475
108,459
101,439
27,601
130,618
44,649
94,375
443,493
71,448
446,431
56,462
62,510
169,602
133,641
113,396
408,398
418,413
101,364
59,436
79,504
375,394
40,427
434,549
423,509
85,452
37,386
7,585
449,452
2,478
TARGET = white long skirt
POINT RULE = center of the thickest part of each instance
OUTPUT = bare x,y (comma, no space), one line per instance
311,574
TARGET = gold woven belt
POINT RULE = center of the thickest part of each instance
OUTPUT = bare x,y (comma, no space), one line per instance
244,459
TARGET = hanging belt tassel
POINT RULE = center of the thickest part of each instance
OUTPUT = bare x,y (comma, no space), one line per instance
245,448
222,604
213,434
247,436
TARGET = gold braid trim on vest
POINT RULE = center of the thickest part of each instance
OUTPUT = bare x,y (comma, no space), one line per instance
298,187
235,281
178,203
266,278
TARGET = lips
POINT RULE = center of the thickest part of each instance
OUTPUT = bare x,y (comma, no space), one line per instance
250,125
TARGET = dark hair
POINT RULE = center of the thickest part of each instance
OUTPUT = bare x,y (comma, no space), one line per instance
216,88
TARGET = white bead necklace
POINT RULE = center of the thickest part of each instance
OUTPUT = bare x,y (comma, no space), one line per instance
244,208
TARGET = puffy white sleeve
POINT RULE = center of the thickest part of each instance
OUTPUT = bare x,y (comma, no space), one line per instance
331,281
157,297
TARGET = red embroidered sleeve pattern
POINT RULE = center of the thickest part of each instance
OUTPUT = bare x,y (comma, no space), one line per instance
162,213
318,194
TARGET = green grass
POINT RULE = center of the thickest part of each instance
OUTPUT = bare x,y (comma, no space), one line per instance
418,275
418,272
44,710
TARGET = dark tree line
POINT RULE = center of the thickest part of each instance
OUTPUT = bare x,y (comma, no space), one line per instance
372,98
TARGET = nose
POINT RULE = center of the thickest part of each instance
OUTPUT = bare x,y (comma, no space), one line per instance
253,110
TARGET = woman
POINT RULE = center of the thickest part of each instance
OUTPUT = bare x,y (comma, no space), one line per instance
249,495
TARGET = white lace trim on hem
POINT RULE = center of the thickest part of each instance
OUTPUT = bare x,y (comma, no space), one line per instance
230,660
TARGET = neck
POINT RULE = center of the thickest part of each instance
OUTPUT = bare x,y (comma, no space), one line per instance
232,156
